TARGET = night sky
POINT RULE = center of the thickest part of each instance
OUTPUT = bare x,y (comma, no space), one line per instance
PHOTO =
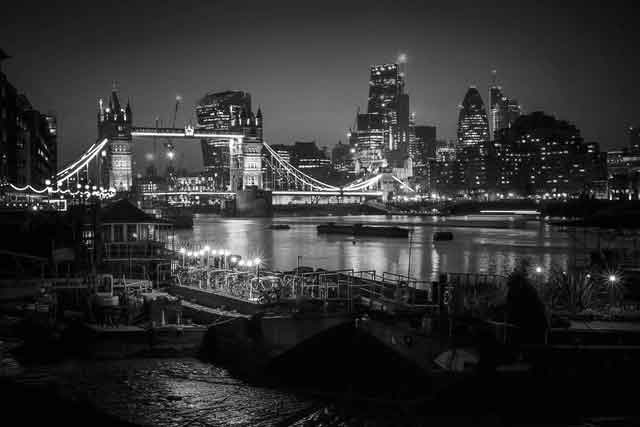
306,63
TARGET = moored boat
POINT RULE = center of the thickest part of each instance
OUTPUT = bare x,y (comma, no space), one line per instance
279,227
362,230
442,236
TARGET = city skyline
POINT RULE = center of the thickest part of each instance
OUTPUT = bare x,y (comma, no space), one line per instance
154,59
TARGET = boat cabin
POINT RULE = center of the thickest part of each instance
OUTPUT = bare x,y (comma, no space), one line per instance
130,242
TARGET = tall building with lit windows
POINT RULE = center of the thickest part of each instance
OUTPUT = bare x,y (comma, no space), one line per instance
228,110
541,155
28,138
474,149
503,112
369,141
388,99
473,127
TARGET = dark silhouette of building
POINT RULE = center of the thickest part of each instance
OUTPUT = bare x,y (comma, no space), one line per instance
342,158
634,139
308,158
540,155
28,138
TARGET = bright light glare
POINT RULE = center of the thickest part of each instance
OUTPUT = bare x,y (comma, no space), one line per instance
257,261
183,250
538,269
613,278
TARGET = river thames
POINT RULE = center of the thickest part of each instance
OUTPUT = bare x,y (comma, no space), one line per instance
187,391
473,250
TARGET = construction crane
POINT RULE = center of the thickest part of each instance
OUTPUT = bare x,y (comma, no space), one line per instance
169,147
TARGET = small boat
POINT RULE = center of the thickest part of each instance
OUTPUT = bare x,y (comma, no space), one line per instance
333,228
279,227
442,235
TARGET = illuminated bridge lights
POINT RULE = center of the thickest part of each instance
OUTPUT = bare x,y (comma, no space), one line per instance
296,181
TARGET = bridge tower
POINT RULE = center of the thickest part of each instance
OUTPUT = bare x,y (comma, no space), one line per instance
252,151
114,122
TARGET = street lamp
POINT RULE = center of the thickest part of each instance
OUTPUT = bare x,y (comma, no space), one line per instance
183,251
612,279
225,254
257,261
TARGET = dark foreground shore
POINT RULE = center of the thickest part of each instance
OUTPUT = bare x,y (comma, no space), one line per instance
26,406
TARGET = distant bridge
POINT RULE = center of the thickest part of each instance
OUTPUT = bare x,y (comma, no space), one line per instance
106,167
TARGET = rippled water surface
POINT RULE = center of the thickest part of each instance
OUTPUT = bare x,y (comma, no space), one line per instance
167,392
473,250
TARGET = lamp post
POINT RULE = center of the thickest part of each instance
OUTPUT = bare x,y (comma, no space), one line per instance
257,262
249,265
182,252
207,250
538,271
612,279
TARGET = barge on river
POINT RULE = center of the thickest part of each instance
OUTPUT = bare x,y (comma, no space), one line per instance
362,230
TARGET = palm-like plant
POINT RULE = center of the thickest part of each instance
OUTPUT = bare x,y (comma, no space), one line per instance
573,291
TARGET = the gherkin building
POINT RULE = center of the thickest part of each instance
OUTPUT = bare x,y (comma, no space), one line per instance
473,126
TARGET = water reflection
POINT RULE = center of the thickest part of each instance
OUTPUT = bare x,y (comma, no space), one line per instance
484,250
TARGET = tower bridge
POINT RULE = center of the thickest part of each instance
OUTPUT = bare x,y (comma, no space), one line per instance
107,163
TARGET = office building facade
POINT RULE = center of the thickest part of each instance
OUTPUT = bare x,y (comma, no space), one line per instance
28,138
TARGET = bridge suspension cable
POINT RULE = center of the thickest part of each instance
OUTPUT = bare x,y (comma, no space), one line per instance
367,183
298,175
76,166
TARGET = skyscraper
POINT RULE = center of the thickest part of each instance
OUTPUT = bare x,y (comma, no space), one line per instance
388,99
474,149
369,141
495,111
503,112
422,147
473,127
228,110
